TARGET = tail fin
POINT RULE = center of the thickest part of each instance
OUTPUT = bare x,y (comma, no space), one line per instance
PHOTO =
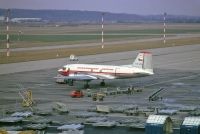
144,61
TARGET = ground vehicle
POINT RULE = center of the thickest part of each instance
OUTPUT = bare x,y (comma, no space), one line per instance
76,94
98,97
73,58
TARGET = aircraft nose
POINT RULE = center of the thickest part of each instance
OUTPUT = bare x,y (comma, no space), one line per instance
60,71
63,72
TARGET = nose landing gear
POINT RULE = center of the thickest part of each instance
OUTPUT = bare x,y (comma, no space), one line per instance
102,83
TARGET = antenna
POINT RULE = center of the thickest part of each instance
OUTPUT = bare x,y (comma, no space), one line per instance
7,31
164,27
102,33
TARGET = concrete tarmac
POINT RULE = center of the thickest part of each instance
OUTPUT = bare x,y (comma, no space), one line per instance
177,70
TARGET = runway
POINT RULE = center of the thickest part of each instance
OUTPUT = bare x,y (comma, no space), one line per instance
170,57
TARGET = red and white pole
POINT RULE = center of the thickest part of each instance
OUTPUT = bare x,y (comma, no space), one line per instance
7,31
102,33
164,28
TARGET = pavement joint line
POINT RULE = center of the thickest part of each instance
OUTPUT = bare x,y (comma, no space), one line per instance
181,78
188,60
96,44
153,56
127,33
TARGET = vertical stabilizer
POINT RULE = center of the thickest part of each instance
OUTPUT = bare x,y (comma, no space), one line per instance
144,61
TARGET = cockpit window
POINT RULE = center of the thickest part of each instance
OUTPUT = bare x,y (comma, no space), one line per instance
64,68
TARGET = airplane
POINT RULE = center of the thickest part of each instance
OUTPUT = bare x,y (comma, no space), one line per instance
142,66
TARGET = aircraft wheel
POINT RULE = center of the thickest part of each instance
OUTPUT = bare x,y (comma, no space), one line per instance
86,86
66,81
102,84
71,82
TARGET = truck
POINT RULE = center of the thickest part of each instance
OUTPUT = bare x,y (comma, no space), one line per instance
76,94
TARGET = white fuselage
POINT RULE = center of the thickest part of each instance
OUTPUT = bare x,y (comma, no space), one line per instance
104,71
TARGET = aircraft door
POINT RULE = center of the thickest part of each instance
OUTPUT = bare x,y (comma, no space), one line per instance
117,70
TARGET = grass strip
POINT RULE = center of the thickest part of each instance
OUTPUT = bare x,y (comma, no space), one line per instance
61,53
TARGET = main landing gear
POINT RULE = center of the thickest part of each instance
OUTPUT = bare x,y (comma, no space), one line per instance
102,83
70,82
86,85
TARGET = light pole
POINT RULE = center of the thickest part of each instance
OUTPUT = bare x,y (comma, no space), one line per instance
102,33
164,27
7,31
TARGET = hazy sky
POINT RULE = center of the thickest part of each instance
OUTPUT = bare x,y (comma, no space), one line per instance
182,7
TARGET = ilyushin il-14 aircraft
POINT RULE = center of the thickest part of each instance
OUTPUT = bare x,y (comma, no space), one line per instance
142,66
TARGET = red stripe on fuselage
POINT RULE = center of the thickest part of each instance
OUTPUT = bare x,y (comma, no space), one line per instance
108,73
95,68
87,68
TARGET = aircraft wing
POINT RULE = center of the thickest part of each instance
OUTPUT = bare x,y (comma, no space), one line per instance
84,77
78,77
127,65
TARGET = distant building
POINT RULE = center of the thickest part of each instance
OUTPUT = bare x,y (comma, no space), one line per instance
19,20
